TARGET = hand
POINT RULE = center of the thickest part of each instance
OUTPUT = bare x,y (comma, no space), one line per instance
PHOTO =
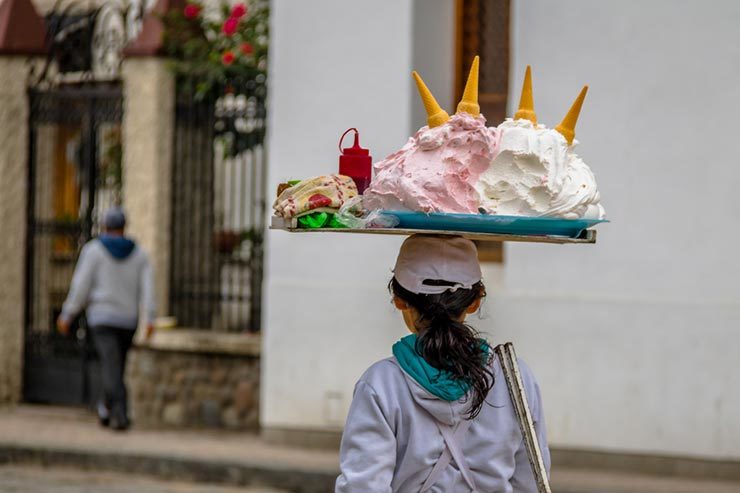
63,326
149,331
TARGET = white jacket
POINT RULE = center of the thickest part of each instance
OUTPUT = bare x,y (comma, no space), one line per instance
392,439
111,289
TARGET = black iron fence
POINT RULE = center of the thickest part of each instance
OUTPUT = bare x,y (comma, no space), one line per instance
74,174
218,219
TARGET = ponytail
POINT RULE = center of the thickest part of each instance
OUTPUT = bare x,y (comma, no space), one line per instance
448,344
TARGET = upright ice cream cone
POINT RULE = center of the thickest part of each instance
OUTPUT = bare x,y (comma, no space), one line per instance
526,101
469,102
436,116
568,126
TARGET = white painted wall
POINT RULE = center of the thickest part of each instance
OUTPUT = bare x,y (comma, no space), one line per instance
328,316
635,340
433,55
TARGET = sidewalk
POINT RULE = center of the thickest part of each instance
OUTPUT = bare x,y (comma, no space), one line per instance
68,437
39,479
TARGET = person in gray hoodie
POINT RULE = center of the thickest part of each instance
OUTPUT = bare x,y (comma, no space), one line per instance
437,416
112,279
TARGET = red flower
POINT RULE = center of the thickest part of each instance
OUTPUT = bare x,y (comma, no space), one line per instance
228,57
246,48
239,11
192,10
230,25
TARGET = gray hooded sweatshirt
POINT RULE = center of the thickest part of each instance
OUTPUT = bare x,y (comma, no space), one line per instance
112,278
392,438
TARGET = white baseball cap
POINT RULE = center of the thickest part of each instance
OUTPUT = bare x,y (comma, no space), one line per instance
452,259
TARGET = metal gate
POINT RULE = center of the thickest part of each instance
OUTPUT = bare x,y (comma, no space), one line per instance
218,201
74,174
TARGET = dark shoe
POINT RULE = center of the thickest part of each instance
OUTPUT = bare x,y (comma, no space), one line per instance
119,424
103,415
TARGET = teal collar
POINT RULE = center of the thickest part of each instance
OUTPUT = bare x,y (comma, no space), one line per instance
438,382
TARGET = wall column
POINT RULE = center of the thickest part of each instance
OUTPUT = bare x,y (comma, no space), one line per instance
13,188
148,118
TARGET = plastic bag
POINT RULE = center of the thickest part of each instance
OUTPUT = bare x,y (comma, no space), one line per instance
317,220
313,221
353,215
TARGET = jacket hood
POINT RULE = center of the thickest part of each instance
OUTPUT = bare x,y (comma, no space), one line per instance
432,389
118,246
435,390
447,412
439,382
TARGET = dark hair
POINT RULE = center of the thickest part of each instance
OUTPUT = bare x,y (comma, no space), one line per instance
448,344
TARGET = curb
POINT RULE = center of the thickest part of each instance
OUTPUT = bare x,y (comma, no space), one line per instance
290,479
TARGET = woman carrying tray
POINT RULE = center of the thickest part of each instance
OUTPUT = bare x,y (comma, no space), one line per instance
437,416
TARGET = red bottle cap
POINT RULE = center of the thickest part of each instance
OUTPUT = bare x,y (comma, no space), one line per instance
355,150
355,161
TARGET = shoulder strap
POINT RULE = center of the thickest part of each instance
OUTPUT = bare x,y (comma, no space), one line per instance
452,451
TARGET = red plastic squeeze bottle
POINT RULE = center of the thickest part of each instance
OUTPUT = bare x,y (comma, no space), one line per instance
356,162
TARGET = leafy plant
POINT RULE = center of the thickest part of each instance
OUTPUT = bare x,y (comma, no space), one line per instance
219,47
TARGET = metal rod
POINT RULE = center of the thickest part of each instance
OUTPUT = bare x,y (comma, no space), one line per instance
507,357
30,214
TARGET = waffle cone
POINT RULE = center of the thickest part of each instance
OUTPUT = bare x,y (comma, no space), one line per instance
567,127
436,116
526,101
469,103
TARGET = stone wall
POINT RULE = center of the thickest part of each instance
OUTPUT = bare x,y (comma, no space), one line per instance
183,387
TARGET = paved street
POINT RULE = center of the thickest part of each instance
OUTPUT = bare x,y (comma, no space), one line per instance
67,437
34,479
580,481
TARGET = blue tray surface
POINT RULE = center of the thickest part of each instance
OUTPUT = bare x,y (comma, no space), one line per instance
484,223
